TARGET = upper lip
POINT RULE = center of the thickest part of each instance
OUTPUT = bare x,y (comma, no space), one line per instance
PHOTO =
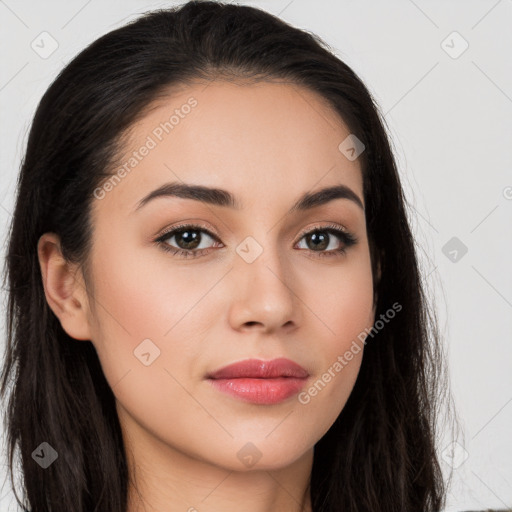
258,368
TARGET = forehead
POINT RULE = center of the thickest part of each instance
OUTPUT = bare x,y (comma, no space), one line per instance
263,140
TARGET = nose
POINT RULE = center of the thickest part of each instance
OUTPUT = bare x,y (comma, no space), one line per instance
263,294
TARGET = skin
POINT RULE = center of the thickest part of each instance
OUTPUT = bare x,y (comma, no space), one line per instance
266,143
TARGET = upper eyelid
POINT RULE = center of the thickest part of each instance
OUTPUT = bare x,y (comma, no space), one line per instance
171,231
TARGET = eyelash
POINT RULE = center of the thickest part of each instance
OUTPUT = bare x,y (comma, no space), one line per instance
347,238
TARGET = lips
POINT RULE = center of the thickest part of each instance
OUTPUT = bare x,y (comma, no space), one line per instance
260,382
259,369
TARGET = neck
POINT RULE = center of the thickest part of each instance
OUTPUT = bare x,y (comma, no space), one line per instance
165,479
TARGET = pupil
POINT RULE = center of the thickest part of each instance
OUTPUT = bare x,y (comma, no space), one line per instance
322,243
194,240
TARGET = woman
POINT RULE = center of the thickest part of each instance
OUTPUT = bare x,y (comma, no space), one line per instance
214,294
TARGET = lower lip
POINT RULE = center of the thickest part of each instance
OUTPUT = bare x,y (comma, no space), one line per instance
260,391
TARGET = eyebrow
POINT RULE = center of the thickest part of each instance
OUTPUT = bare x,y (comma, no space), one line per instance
220,197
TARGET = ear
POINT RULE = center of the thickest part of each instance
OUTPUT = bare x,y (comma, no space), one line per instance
64,288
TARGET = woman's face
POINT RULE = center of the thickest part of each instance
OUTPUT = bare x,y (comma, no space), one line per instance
263,285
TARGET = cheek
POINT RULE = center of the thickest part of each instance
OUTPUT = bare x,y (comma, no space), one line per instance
345,314
139,299
139,333
128,307
342,299
142,296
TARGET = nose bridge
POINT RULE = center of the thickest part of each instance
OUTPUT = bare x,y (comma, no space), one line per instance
262,256
264,282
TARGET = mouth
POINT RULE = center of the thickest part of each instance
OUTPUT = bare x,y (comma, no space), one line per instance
260,382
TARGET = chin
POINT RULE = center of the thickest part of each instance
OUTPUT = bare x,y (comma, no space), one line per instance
264,455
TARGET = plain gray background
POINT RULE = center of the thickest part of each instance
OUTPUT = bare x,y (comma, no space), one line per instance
441,73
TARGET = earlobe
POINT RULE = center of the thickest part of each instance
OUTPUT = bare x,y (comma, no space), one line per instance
64,291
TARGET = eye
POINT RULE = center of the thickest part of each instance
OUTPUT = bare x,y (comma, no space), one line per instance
189,238
322,237
186,236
